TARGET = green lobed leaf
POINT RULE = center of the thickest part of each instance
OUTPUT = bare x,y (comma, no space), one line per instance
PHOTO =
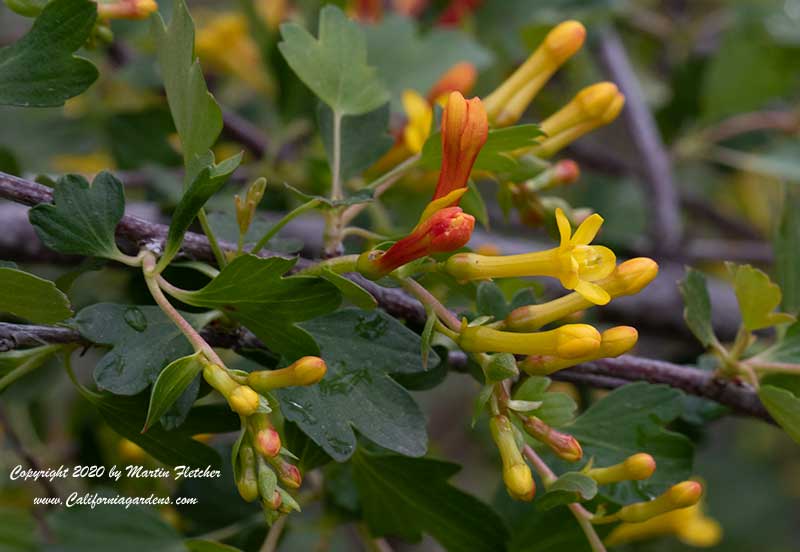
171,383
784,406
351,291
252,291
197,117
143,341
787,349
39,69
32,298
786,245
406,497
364,138
629,420
758,297
697,306
362,349
557,409
363,195
205,185
568,488
334,66
18,363
141,138
491,301
82,218
115,528
26,8
423,57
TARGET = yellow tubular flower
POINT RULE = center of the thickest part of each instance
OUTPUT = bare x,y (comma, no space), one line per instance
305,371
506,104
563,445
682,495
614,342
516,473
592,107
241,398
637,467
568,341
420,118
628,278
690,525
575,263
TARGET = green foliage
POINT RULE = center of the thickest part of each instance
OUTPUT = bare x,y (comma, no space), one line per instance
20,362
568,488
197,117
206,184
787,244
784,407
83,217
142,339
32,298
39,69
406,497
697,310
334,66
253,292
787,349
350,290
491,301
557,409
171,383
362,350
364,138
630,420
758,297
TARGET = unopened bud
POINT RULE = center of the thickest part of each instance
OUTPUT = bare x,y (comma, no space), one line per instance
274,501
243,400
516,473
269,442
288,474
635,468
247,482
614,342
459,78
126,9
305,371
682,495
267,481
501,366
563,445
519,482
568,341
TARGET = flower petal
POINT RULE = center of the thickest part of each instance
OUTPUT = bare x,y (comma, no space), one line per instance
593,292
587,230
564,229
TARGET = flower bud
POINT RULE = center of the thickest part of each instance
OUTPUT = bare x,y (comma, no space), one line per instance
614,342
267,481
247,483
245,209
274,502
563,445
628,278
243,400
516,473
288,474
126,9
443,231
288,503
305,371
501,366
568,341
266,440
690,525
592,107
464,131
635,468
682,495
460,77
506,104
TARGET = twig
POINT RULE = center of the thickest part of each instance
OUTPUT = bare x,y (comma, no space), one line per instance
665,218
782,121
274,535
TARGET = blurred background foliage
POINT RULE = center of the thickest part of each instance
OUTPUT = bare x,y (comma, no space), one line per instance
721,77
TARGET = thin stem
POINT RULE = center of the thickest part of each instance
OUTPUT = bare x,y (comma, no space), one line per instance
219,255
426,298
581,515
339,265
766,367
198,343
305,207
274,535
336,185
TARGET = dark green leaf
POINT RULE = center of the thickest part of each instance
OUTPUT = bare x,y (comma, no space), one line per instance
251,291
206,184
491,301
629,420
39,69
141,138
310,454
568,488
784,407
351,291
361,350
335,66
171,383
363,195
143,342
32,298
26,8
364,138
533,530
196,114
17,363
557,409
787,244
82,218
406,497
697,310
115,528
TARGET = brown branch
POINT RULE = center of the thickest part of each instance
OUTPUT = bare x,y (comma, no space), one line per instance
665,229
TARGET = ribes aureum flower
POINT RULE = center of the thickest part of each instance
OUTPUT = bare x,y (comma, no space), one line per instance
574,262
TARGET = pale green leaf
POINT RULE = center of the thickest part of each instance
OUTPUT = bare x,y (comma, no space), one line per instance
697,306
17,363
784,406
758,297
568,488
32,298
170,385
